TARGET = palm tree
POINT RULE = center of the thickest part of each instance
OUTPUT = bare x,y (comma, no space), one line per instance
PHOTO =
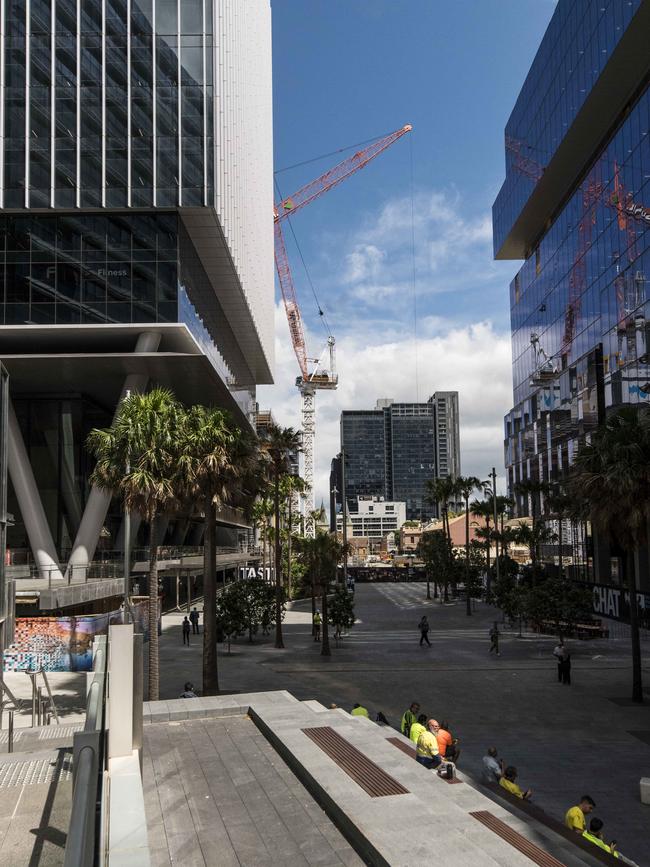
137,458
441,492
464,487
322,555
611,475
559,505
279,443
533,536
484,509
291,486
532,490
212,459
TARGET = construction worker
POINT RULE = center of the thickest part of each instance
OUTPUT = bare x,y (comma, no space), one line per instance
595,836
418,727
410,716
360,710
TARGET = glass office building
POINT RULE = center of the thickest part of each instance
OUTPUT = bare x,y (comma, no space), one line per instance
575,206
395,449
136,229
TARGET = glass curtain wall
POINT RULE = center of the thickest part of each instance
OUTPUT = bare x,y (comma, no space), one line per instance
108,103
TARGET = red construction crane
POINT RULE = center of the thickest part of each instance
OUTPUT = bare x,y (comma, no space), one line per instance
319,378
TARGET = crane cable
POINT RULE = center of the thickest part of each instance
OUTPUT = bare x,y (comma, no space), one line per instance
332,153
321,312
415,295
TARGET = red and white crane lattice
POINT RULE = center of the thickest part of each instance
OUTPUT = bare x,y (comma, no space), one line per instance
320,377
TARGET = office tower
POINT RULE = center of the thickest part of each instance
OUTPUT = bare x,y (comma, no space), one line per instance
395,449
136,234
575,206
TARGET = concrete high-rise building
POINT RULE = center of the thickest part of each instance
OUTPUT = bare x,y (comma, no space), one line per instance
136,235
575,205
395,449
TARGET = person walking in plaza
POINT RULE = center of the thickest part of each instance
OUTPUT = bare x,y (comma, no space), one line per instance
575,819
317,624
194,620
494,639
427,752
409,717
492,766
186,631
509,782
423,626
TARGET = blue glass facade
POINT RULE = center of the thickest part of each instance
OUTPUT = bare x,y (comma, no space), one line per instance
577,46
580,304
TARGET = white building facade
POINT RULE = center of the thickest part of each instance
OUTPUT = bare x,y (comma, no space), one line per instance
374,517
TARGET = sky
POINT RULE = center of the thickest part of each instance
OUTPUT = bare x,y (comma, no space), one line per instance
400,254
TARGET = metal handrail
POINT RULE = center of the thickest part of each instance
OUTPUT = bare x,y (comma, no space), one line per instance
88,756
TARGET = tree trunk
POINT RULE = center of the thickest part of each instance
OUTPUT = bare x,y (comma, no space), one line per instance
290,520
468,595
559,539
210,666
313,605
637,682
488,577
325,641
154,667
279,643
428,585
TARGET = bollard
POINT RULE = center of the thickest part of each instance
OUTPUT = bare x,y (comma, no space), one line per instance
39,705
33,679
10,733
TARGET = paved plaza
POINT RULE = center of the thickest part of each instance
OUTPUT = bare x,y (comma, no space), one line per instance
566,741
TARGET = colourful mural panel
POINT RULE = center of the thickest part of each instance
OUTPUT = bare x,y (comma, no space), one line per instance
63,643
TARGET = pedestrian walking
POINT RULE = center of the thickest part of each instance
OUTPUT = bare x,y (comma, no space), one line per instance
561,653
186,631
494,639
317,624
194,620
423,626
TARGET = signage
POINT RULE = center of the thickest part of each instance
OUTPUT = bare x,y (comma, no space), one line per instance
614,602
247,572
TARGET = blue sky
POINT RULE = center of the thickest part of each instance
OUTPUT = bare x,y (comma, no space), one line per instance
346,71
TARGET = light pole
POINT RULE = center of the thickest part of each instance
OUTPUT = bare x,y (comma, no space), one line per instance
127,540
345,520
493,476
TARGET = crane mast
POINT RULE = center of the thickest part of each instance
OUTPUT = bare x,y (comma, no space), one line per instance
320,377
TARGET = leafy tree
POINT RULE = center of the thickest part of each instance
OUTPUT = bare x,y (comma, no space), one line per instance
465,486
321,555
137,459
249,605
231,613
438,558
611,475
560,601
278,444
290,486
341,612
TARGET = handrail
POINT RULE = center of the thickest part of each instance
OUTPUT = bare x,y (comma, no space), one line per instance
88,756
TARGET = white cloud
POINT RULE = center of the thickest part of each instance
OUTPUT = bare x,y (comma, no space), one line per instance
370,297
472,359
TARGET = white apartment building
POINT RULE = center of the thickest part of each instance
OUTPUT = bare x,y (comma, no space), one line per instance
374,517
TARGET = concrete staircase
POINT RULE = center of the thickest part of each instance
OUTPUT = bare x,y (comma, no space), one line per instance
429,821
